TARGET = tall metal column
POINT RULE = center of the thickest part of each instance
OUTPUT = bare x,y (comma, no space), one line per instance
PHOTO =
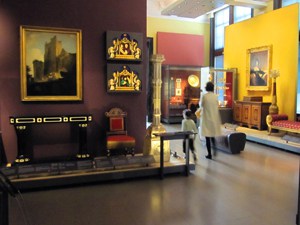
156,82
151,142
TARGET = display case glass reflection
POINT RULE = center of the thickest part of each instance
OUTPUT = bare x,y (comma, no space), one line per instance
224,81
224,88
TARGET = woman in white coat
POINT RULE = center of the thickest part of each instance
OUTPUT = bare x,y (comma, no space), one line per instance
210,124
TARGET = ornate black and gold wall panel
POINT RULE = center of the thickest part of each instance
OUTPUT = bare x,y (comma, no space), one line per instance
124,78
124,46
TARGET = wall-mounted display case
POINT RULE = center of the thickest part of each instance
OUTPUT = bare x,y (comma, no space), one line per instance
180,90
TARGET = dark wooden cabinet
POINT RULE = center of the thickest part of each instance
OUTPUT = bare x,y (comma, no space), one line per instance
251,114
237,112
246,113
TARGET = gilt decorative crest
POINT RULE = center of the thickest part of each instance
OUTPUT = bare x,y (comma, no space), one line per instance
124,47
124,80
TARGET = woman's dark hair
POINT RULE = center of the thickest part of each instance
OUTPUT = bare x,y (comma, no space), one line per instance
193,108
209,86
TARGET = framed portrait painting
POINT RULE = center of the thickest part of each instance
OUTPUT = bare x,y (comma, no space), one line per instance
51,61
258,68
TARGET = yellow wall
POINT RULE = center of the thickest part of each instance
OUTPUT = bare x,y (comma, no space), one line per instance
155,25
278,28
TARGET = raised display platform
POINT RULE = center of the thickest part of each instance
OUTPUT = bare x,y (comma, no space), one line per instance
59,174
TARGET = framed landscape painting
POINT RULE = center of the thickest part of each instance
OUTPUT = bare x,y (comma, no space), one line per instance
51,61
258,68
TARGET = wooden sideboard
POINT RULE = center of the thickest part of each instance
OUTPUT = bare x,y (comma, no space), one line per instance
251,114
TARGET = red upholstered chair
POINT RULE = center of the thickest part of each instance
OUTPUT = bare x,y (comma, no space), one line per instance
117,138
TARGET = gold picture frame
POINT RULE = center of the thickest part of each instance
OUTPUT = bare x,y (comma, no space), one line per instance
258,68
51,61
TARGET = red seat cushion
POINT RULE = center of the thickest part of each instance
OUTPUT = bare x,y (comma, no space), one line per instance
276,117
120,141
123,138
287,124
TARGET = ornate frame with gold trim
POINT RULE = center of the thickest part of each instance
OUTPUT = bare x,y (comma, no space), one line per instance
51,61
124,46
258,68
124,78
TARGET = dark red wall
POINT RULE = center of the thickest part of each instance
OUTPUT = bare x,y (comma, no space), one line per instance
181,49
94,18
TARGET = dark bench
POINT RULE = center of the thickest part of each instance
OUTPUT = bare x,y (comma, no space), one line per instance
232,142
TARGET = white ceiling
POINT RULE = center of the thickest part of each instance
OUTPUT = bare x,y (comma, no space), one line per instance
195,10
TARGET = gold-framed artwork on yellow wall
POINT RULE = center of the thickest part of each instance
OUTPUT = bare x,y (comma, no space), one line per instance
51,61
258,68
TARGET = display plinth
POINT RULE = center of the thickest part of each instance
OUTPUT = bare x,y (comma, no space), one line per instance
103,169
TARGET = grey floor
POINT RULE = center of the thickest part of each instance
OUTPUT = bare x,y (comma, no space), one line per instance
257,187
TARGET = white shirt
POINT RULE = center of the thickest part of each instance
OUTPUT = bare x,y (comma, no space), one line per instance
189,125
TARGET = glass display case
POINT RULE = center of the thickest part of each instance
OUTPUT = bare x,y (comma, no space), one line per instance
225,87
224,80
180,90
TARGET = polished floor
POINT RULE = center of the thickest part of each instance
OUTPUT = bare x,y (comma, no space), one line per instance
257,187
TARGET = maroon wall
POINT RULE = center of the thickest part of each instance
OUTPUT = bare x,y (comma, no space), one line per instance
93,17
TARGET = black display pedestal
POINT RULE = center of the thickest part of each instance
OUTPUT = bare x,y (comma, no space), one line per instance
3,207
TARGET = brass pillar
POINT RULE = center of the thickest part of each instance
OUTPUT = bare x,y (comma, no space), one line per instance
151,142
273,109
